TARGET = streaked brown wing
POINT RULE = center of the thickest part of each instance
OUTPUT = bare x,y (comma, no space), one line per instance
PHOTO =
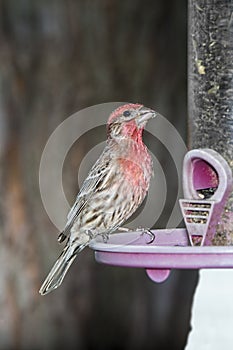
96,176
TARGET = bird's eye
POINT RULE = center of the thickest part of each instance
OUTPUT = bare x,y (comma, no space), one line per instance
126,113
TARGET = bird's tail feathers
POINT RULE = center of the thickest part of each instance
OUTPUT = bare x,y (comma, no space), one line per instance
60,268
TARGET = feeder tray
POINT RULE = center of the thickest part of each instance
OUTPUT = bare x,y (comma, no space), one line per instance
207,182
170,250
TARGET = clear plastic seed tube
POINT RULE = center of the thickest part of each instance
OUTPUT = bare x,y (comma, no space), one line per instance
210,88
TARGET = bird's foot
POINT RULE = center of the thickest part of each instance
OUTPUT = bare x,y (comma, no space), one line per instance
146,231
105,237
124,229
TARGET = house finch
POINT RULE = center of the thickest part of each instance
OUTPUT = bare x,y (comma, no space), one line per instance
114,188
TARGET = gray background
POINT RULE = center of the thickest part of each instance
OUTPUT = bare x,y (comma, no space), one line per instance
56,58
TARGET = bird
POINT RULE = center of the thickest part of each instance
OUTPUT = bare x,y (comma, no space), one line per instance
114,188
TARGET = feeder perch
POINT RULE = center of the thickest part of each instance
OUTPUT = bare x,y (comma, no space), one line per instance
207,183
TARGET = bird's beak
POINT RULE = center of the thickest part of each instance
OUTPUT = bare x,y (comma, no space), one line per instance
144,114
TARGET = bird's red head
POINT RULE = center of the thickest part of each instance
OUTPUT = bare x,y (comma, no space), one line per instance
128,120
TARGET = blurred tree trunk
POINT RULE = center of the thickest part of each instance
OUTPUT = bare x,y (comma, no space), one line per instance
56,58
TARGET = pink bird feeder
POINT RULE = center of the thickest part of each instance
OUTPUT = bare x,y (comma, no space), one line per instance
207,183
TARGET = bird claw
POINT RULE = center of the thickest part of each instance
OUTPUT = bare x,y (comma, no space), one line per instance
149,233
105,237
124,229
144,231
